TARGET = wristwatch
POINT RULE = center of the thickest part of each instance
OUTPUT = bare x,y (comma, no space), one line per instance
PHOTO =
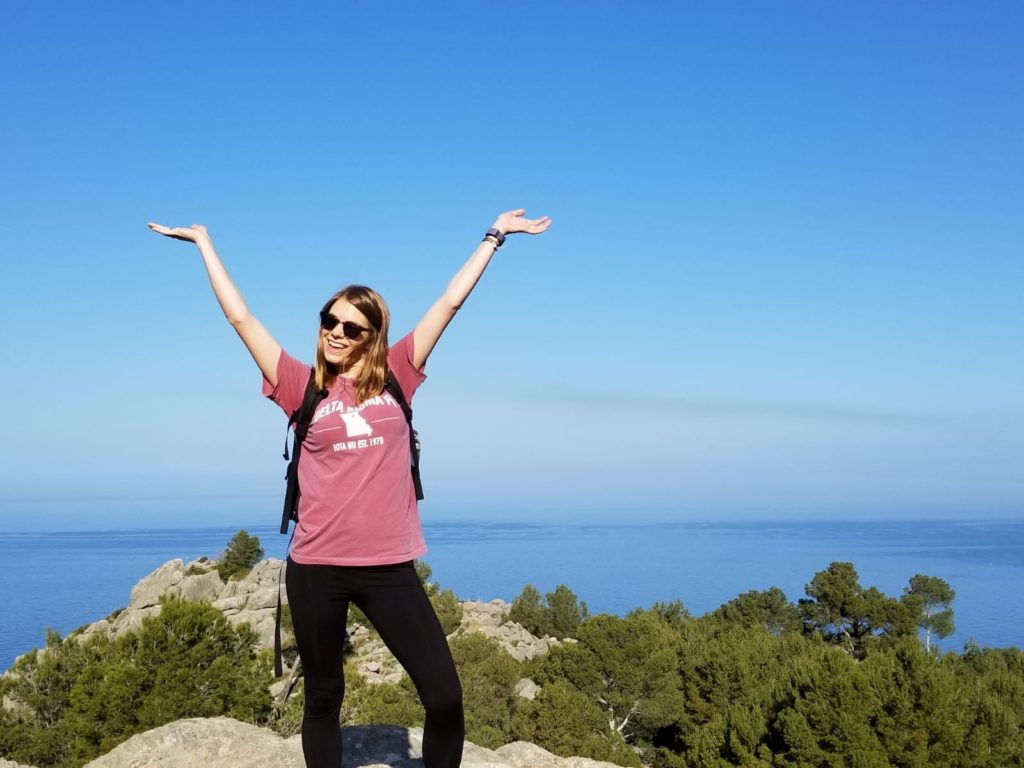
497,234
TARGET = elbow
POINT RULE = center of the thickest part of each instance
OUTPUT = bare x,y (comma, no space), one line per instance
452,302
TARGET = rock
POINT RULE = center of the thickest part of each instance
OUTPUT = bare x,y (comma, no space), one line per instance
229,605
251,600
131,620
527,689
489,619
147,592
11,764
224,743
200,586
522,754
476,614
197,742
262,623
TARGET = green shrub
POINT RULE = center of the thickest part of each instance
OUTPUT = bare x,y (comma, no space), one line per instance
242,553
82,697
558,614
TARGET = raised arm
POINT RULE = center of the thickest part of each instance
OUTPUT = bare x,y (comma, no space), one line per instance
430,328
261,345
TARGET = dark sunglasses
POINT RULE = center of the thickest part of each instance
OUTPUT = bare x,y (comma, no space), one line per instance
351,330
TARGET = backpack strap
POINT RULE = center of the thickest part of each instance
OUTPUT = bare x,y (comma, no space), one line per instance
300,419
392,387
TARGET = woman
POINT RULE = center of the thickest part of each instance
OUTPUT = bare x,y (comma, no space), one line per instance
359,530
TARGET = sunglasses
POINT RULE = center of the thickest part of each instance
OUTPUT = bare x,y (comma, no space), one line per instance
351,330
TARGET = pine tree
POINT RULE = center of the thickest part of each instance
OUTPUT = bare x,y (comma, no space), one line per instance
932,599
242,553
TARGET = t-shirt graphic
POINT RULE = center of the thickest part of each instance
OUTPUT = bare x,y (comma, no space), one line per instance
356,424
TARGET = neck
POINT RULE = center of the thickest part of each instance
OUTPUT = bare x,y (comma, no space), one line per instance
345,369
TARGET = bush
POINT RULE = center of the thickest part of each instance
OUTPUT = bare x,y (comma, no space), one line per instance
242,553
488,675
448,609
558,614
81,698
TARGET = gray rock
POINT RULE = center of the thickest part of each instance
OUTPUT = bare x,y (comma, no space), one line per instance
262,623
11,764
131,620
147,592
522,754
224,743
205,743
489,619
527,689
229,605
202,586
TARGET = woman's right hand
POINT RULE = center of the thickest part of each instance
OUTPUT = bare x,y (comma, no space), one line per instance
192,234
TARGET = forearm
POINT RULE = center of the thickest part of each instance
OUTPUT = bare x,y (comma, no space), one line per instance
231,301
465,280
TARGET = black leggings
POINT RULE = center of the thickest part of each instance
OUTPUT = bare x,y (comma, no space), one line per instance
393,599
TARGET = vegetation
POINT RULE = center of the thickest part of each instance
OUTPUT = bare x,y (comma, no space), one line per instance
932,599
845,677
557,614
242,553
78,699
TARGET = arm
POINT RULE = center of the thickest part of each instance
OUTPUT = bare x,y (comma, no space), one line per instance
261,345
430,328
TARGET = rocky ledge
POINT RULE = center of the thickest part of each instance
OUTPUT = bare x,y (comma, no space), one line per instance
253,600
224,743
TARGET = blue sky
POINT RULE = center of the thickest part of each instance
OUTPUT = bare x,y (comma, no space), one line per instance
784,275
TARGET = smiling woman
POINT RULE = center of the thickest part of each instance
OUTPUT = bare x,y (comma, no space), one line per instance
353,340
358,528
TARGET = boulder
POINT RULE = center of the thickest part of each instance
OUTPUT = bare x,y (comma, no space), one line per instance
527,689
225,743
11,764
489,619
147,592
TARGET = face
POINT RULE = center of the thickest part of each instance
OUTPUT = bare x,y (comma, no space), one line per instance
336,343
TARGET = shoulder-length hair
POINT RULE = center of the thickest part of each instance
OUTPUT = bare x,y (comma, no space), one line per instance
370,381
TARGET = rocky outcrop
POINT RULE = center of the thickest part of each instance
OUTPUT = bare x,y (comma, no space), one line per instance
252,599
225,743
372,658
490,619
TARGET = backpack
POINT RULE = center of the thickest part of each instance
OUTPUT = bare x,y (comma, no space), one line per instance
300,420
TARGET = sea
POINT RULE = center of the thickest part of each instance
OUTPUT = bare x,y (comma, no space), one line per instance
64,580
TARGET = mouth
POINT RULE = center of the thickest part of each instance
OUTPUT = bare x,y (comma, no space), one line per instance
335,345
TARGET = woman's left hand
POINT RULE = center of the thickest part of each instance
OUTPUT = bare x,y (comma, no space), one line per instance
514,221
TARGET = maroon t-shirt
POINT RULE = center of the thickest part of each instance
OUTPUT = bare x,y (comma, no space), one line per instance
357,504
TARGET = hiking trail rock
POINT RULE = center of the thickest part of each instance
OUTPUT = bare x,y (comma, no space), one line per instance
225,743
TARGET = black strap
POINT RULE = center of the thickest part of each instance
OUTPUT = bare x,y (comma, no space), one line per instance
392,386
278,667
300,419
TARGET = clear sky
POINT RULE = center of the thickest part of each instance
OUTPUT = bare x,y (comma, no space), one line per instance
784,275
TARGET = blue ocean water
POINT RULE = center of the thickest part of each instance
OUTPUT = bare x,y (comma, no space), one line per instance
65,580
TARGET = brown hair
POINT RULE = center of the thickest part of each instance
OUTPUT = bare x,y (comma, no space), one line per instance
370,381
